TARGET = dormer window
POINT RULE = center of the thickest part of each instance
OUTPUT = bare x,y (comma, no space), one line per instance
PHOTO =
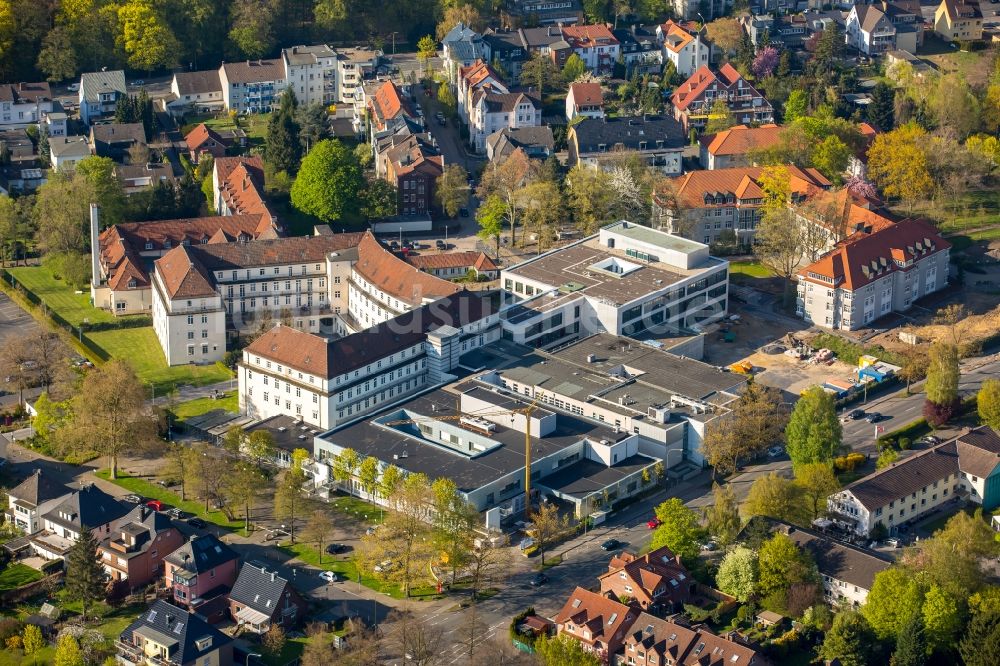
149,245
602,147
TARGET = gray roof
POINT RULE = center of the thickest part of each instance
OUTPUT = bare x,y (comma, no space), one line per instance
183,632
307,55
144,524
202,553
531,139
255,71
38,489
467,51
978,451
110,133
288,433
193,83
259,589
460,33
93,84
69,146
592,132
88,507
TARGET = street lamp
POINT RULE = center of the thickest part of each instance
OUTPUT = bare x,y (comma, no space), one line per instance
251,654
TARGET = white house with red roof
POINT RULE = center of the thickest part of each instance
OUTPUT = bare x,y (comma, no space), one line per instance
693,100
731,147
683,46
595,44
873,272
585,99
476,77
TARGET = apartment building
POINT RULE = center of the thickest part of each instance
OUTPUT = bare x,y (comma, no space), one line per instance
703,205
412,164
963,469
165,635
656,581
88,507
311,72
353,66
29,500
694,99
653,641
389,111
491,111
134,553
326,382
517,13
24,103
99,94
461,47
958,21
253,86
477,77
877,29
199,571
598,622
873,273
624,280
238,184
683,45
731,147
198,92
657,140
595,44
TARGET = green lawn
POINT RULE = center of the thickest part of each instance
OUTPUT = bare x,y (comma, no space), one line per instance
255,126
46,655
289,654
141,349
971,210
17,575
151,490
750,269
59,296
199,406
353,507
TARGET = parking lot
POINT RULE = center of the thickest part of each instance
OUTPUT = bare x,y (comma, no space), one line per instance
14,322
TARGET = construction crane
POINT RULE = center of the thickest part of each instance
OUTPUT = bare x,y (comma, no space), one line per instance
526,411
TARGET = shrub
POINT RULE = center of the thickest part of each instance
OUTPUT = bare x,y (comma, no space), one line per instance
904,443
849,462
10,627
14,643
937,415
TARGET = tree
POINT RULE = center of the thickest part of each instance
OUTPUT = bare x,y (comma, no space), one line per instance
368,472
446,98
283,147
988,403
679,529
765,62
145,36
505,180
487,566
737,574
894,597
345,465
911,648
454,524
547,526
466,14
252,27
589,197
563,650
574,68
914,367
274,640
756,422
723,517
110,414
426,49
68,652
259,447
402,538
942,618
726,34
208,471
959,108
942,374
57,58
179,465
888,456
814,434
830,46
312,122
319,650
379,199
850,640
84,573
540,73
391,478
490,216
831,158
898,163
980,646
451,189
776,497
290,500
242,486
796,106
542,205
328,182
881,109
816,482
719,117
32,640
782,564
317,530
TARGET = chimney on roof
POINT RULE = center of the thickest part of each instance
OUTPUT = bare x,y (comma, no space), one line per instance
273,575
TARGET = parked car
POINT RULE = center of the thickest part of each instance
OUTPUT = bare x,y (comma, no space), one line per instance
384,565
138,82
197,523
892,542
874,417
709,546
653,523
611,544
156,505
329,576
929,440
336,548
134,499
175,513
463,211
775,451
539,579
856,414
440,244
73,87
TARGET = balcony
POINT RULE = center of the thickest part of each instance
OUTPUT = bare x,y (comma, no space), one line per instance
132,655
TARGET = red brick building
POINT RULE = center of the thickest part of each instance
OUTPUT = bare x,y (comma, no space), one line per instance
599,622
656,580
135,551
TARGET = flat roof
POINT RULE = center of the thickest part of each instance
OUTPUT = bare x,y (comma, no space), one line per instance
667,241
585,477
288,433
571,270
393,445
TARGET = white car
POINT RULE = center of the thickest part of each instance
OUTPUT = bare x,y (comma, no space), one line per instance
329,576
73,87
384,565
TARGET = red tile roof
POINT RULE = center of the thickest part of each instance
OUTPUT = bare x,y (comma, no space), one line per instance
182,276
603,617
696,85
469,259
655,575
675,36
390,274
743,183
688,646
588,36
740,139
197,137
241,183
865,257
587,94
387,103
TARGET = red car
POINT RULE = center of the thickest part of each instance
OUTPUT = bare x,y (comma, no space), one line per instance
653,523
155,504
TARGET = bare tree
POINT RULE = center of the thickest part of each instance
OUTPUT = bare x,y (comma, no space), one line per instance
487,566
547,526
317,530
418,640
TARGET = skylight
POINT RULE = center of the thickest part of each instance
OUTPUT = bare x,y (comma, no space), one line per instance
178,628
576,603
611,620
152,616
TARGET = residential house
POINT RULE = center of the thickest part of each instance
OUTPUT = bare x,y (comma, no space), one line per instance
639,49
24,103
253,86
15,179
909,22
17,145
87,508
870,31
518,13
492,111
690,9
388,109
66,151
413,166
29,500
693,100
311,72
55,123
461,47
683,46
965,468
200,571
958,21
848,572
238,183
654,641
140,177
134,552
872,273
585,99
451,265
857,164
729,148
656,581
702,205
196,92
99,94
353,66
165,635
787,32
599,622
123,252
658,140
595,44
536,142
205,140
472,79
511,48
114,140
261,599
